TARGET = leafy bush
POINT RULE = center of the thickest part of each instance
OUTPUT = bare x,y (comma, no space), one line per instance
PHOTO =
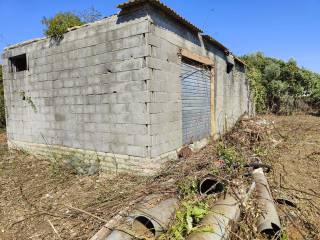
59,24
315,93
229,155
279,86
190,212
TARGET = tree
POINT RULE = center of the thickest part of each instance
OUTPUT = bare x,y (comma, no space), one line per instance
90,15
280,86
315,92
58,25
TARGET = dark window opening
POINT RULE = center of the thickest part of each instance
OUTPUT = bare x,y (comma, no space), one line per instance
18,63
230,63
229,67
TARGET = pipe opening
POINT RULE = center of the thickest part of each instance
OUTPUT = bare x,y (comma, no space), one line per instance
274,231
144,226
286,202
210,186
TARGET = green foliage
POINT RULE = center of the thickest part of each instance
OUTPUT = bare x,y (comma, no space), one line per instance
258,89
189,214
283,235
279,86
260,151
315,93
58,25
228,154
188,187
191,211
2,105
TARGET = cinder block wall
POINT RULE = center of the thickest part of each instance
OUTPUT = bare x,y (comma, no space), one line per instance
231,89
114,87
90,90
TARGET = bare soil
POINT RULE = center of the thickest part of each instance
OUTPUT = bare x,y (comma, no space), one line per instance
43,200
296,173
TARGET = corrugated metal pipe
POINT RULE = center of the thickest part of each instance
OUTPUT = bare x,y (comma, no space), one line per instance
223,212
268,222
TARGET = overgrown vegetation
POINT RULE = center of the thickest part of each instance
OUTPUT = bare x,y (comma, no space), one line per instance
194,206
58,25
281,87
228,154
192,209
2,105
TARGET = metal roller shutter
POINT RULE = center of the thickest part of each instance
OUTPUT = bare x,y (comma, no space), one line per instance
196,116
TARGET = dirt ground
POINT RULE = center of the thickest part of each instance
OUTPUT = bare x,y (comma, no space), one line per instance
296,173
38,198
43,200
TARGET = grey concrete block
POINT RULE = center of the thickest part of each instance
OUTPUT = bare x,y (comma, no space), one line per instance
113,87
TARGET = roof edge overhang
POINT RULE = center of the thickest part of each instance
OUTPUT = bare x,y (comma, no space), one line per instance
163,7
223,48
156,3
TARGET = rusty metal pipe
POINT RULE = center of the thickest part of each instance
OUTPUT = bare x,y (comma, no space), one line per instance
268,222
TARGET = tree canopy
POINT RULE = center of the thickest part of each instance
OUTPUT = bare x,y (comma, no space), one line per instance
280,86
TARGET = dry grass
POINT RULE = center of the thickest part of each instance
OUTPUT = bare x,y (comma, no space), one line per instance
38,200
291,145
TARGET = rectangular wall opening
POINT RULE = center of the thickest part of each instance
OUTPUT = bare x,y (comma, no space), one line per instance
196,100
18,63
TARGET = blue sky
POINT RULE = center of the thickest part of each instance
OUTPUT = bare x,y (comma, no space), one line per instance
279,28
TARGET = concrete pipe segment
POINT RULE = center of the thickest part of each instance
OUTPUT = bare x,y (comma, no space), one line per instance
152,217
210,185
119,235
149,219
268,222
218,219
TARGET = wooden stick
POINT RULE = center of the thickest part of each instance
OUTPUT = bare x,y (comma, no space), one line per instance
85,212
55,230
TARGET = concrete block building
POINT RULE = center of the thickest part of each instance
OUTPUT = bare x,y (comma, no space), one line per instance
129,90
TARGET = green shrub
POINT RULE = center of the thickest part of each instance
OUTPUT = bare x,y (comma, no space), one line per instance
187,216
315,93
229,155
59,24
279,86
